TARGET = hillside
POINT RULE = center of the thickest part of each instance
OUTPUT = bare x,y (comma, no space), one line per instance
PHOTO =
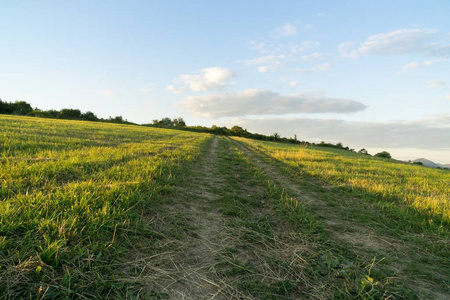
95,210
429,163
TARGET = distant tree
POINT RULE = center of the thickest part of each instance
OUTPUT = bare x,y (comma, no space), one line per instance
89,116
166,122
237,130
118,119
276,136
21,108
178,122
5,107
384,154
363,151
295,137
418,163
69,113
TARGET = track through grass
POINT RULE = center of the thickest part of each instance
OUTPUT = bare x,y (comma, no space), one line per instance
107,211
413,251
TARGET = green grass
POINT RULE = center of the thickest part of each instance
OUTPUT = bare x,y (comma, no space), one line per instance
71,197
85,206
425,190
411,239
267,221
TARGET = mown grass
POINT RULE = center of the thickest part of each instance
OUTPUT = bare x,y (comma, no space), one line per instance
425,190
71,197
281,250
371,223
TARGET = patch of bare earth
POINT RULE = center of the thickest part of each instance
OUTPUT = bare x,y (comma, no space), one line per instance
362,239
181,265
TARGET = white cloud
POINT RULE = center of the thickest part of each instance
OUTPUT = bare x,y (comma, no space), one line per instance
272,67
448,96
302,70
322,67
398,42
435,83
263,69
317,68
213,78
441,51
261,102
286,30
144,90
261,60
415,65
346,49
313,56
109,94
175,90
293,83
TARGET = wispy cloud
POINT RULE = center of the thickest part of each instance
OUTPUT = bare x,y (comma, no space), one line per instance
435,83
416,65
287,30
313,56
109,94
275,51
399,42
261,102
207,79
322,67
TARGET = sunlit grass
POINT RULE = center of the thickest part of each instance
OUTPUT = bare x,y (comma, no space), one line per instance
71,193
424,189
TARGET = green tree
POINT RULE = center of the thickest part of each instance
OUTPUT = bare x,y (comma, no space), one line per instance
383,154
363,151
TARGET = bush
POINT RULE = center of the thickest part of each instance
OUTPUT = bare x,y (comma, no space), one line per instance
384,154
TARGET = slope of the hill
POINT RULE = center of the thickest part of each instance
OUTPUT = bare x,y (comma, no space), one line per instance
72,194
108,211
393,211
429,163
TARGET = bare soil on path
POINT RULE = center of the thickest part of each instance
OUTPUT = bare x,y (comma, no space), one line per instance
183,266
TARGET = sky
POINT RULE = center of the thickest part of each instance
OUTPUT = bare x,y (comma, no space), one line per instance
368,74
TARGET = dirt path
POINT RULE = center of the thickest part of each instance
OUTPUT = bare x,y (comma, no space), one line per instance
182,264
363,240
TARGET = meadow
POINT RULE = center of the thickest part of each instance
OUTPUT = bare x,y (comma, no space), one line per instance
71,197
113,211
425,190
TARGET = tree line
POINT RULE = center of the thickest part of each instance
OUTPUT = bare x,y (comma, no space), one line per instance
22,108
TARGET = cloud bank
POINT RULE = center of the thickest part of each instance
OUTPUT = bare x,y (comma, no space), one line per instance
261,102
433,134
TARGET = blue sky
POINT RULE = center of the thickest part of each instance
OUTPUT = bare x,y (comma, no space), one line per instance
373,74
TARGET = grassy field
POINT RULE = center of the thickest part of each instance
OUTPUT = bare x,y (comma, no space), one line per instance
378,207
96,210
71,198
425,190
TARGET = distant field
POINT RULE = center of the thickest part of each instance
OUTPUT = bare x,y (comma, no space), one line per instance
70,192
424,189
